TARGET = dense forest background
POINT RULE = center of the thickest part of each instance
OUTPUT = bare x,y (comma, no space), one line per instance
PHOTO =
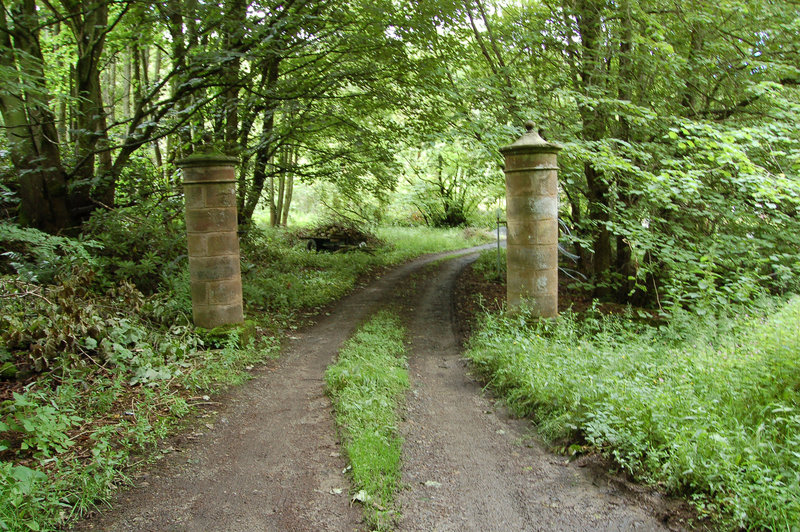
679,207
679,174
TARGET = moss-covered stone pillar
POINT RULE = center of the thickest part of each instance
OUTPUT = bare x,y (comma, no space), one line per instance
209,185
531,169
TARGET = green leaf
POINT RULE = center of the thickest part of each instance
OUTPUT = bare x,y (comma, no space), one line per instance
27,478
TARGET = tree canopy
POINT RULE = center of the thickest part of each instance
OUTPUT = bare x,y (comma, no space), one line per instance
679,180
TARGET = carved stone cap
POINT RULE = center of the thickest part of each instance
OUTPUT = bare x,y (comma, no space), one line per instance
530,142
202,159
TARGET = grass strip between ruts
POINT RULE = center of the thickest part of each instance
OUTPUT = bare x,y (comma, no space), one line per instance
366,384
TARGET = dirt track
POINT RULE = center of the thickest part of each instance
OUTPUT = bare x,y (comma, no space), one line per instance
469,466
270,461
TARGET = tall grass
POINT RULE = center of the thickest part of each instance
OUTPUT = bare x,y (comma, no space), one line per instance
706,407
366,385
412,241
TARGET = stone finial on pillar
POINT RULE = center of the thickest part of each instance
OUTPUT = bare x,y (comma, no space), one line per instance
209,184
531,168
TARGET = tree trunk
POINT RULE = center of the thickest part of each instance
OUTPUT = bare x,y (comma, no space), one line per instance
266,147
593,128
273,216
625,266
287,201
88,21
284,162
127,74
30,125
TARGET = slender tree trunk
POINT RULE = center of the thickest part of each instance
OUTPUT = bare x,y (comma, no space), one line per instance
61,124
625,266
63,120
175,25
73,123
159,158
111,99
265,150
287,202
273,216
227,114
88,21
127,74
593,129
284,162
691,95
157,65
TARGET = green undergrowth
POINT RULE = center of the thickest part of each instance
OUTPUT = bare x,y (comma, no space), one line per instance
97,382
704,407
487,265
367,384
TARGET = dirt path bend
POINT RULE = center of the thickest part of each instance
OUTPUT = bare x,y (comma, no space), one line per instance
270,461
468,466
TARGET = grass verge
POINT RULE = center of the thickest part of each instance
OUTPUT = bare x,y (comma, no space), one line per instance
68,438
366,384
706,407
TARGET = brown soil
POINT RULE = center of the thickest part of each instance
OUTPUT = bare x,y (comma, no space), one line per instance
270,459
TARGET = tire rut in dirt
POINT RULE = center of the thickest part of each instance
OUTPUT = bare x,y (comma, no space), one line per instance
467,464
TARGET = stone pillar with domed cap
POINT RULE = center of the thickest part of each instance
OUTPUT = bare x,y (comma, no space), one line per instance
531,169
209,184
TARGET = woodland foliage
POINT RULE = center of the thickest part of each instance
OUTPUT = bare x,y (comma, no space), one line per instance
678,178
679,186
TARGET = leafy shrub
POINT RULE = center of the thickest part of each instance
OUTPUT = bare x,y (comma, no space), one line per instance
67,326
144,244
714,225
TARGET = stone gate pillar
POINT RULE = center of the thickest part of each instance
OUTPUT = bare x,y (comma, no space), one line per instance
209,185
531,170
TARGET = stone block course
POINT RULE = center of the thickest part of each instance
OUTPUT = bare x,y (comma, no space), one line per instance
534,160
529,232
195,196
214,268
220,195
225,292
211,220
222,244
534,257
217,314
542,183
197,244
